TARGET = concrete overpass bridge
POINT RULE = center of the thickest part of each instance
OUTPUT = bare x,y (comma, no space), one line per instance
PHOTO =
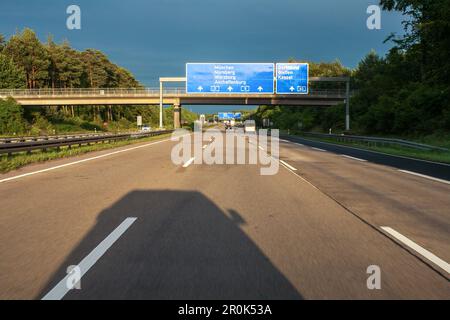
171,96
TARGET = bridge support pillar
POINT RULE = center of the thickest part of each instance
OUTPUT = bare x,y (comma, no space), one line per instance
177,116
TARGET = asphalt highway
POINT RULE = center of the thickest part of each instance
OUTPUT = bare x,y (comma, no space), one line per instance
430,168
141,227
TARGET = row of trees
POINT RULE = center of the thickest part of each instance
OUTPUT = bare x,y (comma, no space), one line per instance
26,62
407,92
52,65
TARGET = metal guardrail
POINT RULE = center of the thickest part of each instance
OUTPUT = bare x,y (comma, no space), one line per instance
45,143
133,92
375,140
51,137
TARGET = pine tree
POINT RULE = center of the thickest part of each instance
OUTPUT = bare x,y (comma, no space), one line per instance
29,63
2,42
95,75
73,67
56,59
28,52
11,76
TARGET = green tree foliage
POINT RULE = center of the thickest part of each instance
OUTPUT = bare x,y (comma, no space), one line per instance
28,53
11,76
65,67
407,92
2,42
426,39
11,117
97,69
40,125
25,62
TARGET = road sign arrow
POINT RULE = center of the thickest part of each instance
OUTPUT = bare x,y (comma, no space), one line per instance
230,88
292,89
260,88
200,88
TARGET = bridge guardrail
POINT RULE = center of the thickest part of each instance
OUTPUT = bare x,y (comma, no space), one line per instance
134,92
45,143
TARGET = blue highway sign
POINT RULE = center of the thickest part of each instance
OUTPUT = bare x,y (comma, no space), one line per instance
292,78
226,115
230,78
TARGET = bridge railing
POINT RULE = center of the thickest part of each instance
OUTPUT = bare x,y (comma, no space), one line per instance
133,92
70,92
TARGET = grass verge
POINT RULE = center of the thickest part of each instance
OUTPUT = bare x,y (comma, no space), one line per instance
18,160
430,155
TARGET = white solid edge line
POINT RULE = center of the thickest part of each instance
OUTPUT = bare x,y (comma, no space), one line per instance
289,141
353,158
80,161
188,163
288,165
318,149
61,289
425,176
299,144
423,252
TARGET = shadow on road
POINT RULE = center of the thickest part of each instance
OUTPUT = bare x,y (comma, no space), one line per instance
182,246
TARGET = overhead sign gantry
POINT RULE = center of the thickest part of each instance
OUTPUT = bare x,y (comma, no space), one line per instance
230,78
229,115
292,78
247,78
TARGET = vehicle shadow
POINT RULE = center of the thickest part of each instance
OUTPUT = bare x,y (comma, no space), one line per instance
182,246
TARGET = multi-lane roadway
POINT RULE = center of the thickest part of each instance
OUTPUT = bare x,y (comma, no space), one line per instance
141,227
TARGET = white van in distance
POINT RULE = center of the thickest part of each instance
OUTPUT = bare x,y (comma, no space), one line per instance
249,126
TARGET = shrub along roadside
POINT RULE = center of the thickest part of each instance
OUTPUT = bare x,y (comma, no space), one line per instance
11,117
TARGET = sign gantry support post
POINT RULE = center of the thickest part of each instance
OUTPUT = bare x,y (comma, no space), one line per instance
347,105
161,95
161,104
347,94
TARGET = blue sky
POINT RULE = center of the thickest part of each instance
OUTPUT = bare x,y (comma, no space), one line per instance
154,38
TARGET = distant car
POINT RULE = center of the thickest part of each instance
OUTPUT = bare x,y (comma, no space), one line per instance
249,126
145,128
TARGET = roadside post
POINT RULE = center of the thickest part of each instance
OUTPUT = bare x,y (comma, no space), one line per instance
139,122
161,95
